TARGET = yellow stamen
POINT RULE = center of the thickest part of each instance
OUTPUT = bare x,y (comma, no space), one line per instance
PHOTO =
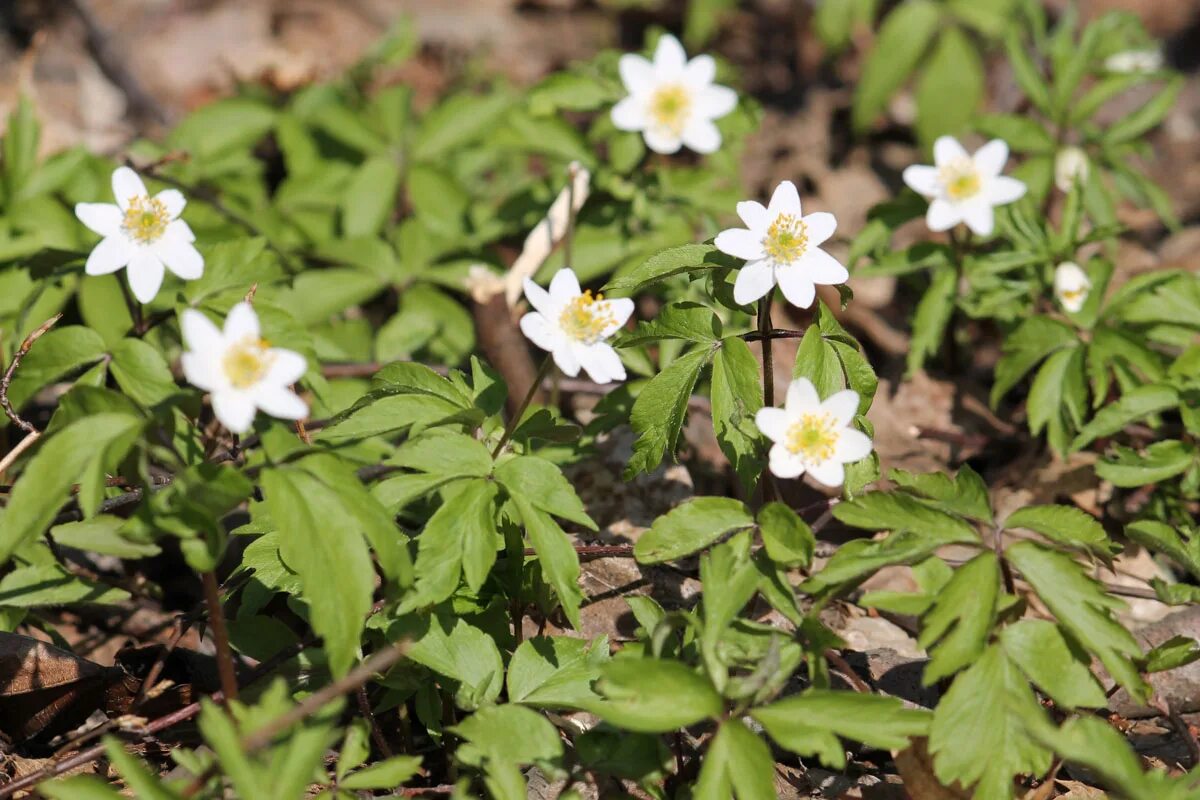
586,318
786,239
246,362
146,219
814,437
670,106
960,179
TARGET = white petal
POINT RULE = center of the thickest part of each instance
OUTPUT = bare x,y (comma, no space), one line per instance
199,370
601,362
946,150
538,297
797,285
564,286
755,215
922,179
565,358
702,136
200,335
700,71
539,331
942,215
753,281
637,73
821,225
785,200
620,310
979,216
145,273
740,243
102,218
279,402
1002,190
235,410
842,406
629,114
990,158
715,102
852,445
802,397
126,185
829,472
820,267
287,367
669,58
109,256
185,230
773,422
784,464
241,323
174,200
661,140
180,255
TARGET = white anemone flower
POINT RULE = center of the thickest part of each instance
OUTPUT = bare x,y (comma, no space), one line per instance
781,246
672,101
1071,286
1129,62
573,326
813,435
964,188
242,371
1070,167
142,234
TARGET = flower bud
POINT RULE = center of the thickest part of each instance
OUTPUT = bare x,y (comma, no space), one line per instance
1070,166
1071,286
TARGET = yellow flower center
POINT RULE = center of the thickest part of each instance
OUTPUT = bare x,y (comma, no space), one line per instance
961,179
669,107
814,437
586,318
786,239
246,362
1071,295
146,219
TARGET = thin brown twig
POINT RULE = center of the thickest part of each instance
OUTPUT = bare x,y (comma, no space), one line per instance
835,658
216,621
12,368
364,708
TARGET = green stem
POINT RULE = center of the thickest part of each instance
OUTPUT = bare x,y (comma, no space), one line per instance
515,419
768,361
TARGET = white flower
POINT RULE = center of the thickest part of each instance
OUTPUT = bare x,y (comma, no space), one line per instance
242,371
1131,61
812,435
964,188
1071,286
672,100
573,326
781,247
1070,167
142,233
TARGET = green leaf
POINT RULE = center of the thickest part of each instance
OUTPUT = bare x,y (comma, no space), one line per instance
950,86
1132,406
56,354
560,563
1063,524
103,534
737,764
457,120
931,317
817,360
387,774
978,737
79,787
1162,460
51,585
1083,608
1053,662
903,39
736,397
860,557
649,695
221,127
1033,340
961,618
461,536
664,264
1132,125
465,654
556,671
687,321
810,723
20,146
1023,134
897,511
1028,76
691,527
1175,652
1162,538
221,735
966,494
788,539
137,777
542,484
370,196
142,373
499,739
446,454
568,91
660,408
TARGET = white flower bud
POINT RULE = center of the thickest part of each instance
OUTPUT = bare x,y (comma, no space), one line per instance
1071,286
1131,61
1070,166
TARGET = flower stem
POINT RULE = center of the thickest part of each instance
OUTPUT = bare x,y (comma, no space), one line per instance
135,309
768,361
515,419
216,619
569,234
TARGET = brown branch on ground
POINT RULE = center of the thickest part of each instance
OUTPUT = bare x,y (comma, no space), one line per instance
32,433
506,349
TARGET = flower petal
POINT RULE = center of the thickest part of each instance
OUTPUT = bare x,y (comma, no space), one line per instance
538,297
180,255
199,370
565,359
200,335
784,464
629,114
108,256
979,216
773,422
1002,190
102,218
539,331
637,73
754,280
842,406
821,225
715,102
797,285
145,271
947,150
942,215
829,472
785,200
755,215
852,445
702,136
802,397
564,286
740,243
820,267
620,309
700,71
235,410
126,185
922,179
280,402
991,158
669,58
661,140
174,201
601,362
287,367
185,230
241,323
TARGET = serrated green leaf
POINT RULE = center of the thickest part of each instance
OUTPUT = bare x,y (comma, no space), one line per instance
460,651
965,494
649,695
738,765
932,315
961,618
543,486
1063,524
560,563
691,527
1052,661
660,408
1128,468
896,511
556,671
736,397
903,39
1132,406
387,774
788,539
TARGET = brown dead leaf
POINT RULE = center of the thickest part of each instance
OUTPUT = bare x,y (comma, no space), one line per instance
916,767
